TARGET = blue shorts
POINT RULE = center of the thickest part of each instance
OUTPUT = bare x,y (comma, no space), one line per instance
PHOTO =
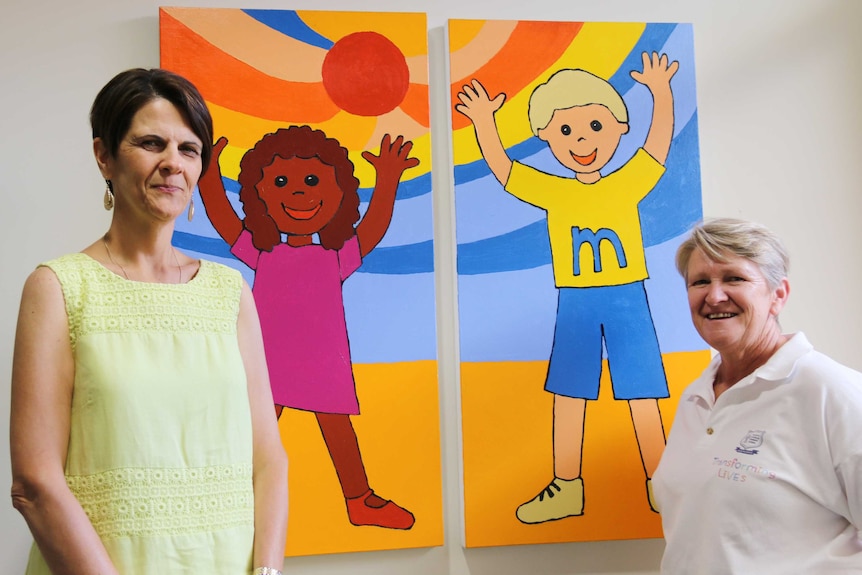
620,316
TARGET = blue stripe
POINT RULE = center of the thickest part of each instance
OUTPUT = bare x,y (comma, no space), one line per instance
205,246
400,260
290,24
525,248
230,185
418,186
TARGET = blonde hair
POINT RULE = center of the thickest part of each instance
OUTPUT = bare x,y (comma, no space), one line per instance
721,238
568,88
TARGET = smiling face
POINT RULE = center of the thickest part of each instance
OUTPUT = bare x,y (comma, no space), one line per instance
583,138
733,307
157,164
301,195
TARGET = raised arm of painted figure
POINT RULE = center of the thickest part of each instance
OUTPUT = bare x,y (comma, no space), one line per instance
481,109
656,76
219,210
389,166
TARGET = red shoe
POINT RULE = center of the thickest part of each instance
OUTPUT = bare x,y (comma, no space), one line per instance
389,515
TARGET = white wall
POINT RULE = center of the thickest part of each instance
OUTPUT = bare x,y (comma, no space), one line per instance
779,90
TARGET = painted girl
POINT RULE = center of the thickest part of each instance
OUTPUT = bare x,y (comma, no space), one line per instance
294,184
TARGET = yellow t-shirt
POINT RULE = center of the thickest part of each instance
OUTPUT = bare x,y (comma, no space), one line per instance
594,229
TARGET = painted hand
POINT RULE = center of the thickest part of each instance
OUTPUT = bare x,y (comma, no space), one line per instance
220,145
394,157
657,72
210,181
476,104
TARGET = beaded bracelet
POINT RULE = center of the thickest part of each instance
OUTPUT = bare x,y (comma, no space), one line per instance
266,571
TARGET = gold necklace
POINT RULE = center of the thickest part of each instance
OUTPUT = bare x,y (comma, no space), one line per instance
122,269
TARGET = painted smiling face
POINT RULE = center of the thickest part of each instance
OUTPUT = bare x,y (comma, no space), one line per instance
583,138
301,194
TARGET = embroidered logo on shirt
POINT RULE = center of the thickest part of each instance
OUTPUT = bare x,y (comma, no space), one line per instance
752,439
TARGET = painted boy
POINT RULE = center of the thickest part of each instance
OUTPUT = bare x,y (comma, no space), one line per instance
598,257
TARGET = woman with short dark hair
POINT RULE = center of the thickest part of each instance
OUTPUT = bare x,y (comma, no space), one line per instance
142,435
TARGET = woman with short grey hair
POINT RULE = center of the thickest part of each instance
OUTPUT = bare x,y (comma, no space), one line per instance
762,472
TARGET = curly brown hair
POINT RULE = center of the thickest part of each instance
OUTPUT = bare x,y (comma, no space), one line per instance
297,142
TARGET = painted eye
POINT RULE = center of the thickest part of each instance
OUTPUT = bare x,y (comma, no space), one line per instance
281,181
595,125
565,129
311,180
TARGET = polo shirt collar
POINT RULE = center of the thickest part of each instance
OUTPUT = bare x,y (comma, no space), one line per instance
782,362
778,367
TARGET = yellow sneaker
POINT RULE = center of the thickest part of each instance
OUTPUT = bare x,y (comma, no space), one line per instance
650,497
561,498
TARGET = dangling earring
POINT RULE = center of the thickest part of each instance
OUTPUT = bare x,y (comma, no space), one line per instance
192,208
108,200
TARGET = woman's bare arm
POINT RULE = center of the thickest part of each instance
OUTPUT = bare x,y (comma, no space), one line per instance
43,375
270,460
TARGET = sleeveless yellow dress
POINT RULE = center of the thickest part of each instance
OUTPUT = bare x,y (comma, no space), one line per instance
160,446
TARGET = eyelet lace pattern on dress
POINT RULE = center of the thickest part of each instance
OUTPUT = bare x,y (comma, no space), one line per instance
172,499
115,304
148,502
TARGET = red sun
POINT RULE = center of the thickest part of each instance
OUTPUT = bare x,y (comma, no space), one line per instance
365,74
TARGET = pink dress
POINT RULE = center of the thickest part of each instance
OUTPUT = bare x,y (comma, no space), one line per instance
299,300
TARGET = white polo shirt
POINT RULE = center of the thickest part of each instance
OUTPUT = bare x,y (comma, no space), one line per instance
768,478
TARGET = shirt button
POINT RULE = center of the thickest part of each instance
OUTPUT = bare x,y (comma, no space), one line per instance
709,431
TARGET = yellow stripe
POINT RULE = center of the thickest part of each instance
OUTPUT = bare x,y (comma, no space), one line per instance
244,131
406,30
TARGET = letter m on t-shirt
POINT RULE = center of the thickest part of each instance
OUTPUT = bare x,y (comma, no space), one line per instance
595,239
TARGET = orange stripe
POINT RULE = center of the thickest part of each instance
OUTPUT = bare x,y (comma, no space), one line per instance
483,44
532,47
415,104
224,80
234,32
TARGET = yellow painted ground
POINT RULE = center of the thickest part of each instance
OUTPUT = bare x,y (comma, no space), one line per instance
507,442
399,437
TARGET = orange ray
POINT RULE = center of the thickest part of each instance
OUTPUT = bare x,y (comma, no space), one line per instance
234,32
418,66
415,104
407,30
463,32
226,81
483,45
397,123
520,61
